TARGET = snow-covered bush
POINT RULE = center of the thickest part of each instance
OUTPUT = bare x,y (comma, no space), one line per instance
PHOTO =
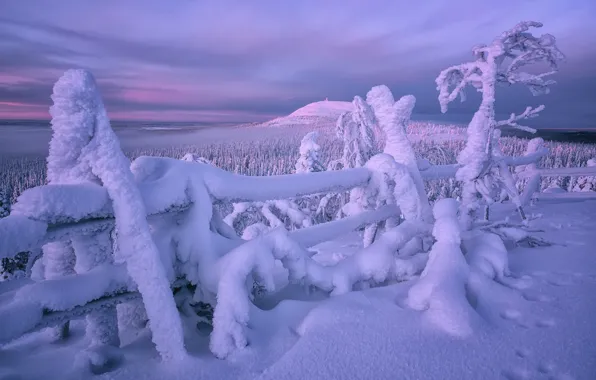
497,63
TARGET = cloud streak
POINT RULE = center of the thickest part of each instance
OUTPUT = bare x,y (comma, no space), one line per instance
243,62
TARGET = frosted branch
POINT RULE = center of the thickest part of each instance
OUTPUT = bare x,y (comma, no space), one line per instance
513,119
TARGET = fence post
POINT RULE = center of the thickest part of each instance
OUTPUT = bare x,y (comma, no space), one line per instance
533,183
91,251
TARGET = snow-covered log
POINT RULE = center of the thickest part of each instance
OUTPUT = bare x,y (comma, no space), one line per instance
157,174
60,294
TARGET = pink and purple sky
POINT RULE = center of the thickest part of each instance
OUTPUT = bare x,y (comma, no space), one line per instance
240,61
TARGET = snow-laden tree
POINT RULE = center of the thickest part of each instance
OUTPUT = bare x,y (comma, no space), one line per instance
357,131
393,118
308,161
498,63
292,213
84,147
192,157
4,204
586,183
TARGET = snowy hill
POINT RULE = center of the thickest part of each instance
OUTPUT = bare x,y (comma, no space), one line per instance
319,114
325,108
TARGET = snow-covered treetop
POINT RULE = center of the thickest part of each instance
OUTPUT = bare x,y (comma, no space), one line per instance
75,100
192,157
309,154
501,61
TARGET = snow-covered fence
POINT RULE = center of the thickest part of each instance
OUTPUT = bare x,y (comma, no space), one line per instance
137,229
532,190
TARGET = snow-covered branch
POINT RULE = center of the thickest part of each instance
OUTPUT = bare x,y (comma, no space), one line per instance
376,264
513,119
452,81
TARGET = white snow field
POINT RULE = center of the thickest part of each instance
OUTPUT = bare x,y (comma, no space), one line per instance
174,268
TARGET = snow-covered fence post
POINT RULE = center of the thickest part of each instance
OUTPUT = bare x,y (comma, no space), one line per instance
58,261
533,183
497,63
79,116
72,130
441,289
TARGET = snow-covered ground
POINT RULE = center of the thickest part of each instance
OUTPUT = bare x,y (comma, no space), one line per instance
539,328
